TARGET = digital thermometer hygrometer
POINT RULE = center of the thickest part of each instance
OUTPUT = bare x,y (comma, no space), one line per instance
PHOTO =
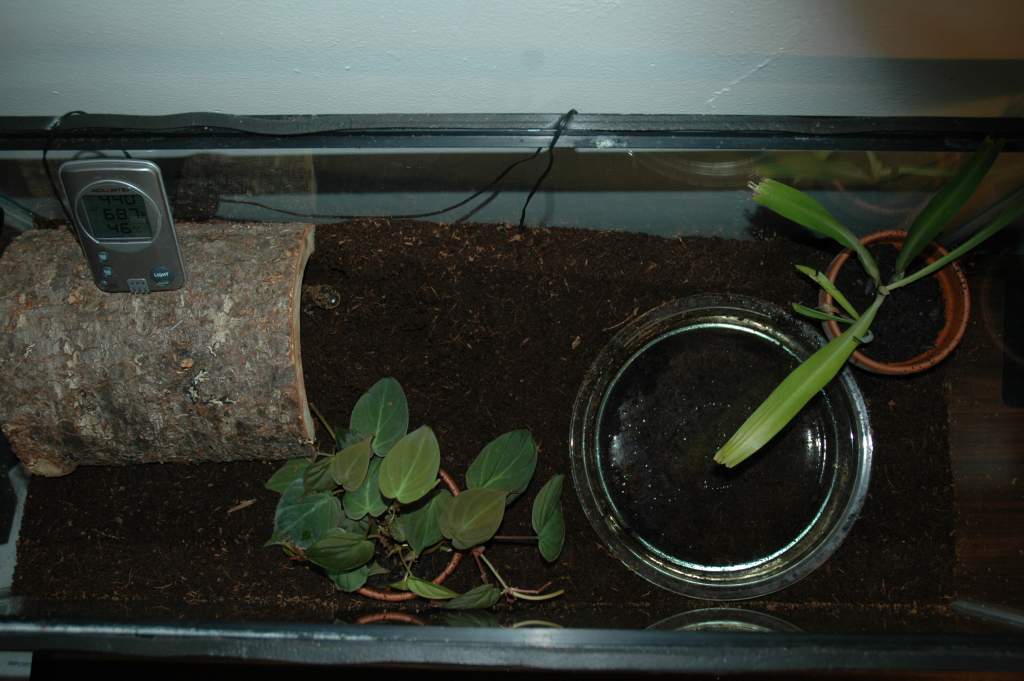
124,224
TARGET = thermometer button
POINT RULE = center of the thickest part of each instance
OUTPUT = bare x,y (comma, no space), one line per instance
107,272
102,256
161,276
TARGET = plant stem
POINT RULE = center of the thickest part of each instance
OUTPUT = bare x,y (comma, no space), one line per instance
323,421
516,593
531,597
495,571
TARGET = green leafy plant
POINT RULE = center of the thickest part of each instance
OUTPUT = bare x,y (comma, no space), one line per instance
804,382
374,507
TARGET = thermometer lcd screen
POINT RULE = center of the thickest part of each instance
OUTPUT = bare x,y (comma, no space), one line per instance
117,216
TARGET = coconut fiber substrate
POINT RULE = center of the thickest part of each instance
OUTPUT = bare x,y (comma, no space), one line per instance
488,330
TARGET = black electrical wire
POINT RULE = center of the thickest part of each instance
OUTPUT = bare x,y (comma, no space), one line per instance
560,126
393,216
46,166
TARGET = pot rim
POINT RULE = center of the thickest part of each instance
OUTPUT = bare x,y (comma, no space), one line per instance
956,297
401,596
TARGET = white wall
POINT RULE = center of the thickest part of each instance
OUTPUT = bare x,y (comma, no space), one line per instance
880,57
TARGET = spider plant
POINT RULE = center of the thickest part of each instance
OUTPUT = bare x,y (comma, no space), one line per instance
804,382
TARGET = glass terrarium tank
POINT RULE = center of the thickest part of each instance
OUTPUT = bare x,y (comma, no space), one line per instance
581,310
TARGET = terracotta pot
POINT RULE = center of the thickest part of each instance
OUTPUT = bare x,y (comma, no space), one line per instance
956,299
398,596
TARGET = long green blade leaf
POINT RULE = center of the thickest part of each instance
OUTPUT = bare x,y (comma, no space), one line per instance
944,205
797,206
795,391
820,316
1008,215
824,282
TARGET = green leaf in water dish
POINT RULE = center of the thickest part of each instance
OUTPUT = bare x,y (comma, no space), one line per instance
425,589
340,551
317,476
366,499
349,466
382,412
473,517
483,596
303,519
421,527
795,391
506,463
292,470
410,469
352,580
548,520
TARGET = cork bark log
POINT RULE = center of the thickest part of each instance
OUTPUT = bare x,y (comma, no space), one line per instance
210,372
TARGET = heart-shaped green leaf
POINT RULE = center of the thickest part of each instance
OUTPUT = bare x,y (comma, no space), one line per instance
483,596
377,569
421,526
292,470
410,469
343,437
473,517
551,537
506,463
425,589
303,519
360,527
340,551
383,412
366,499
348,467
548,521
317,476
350,581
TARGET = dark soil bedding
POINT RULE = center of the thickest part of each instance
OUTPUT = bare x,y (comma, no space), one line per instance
487,330
911,318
